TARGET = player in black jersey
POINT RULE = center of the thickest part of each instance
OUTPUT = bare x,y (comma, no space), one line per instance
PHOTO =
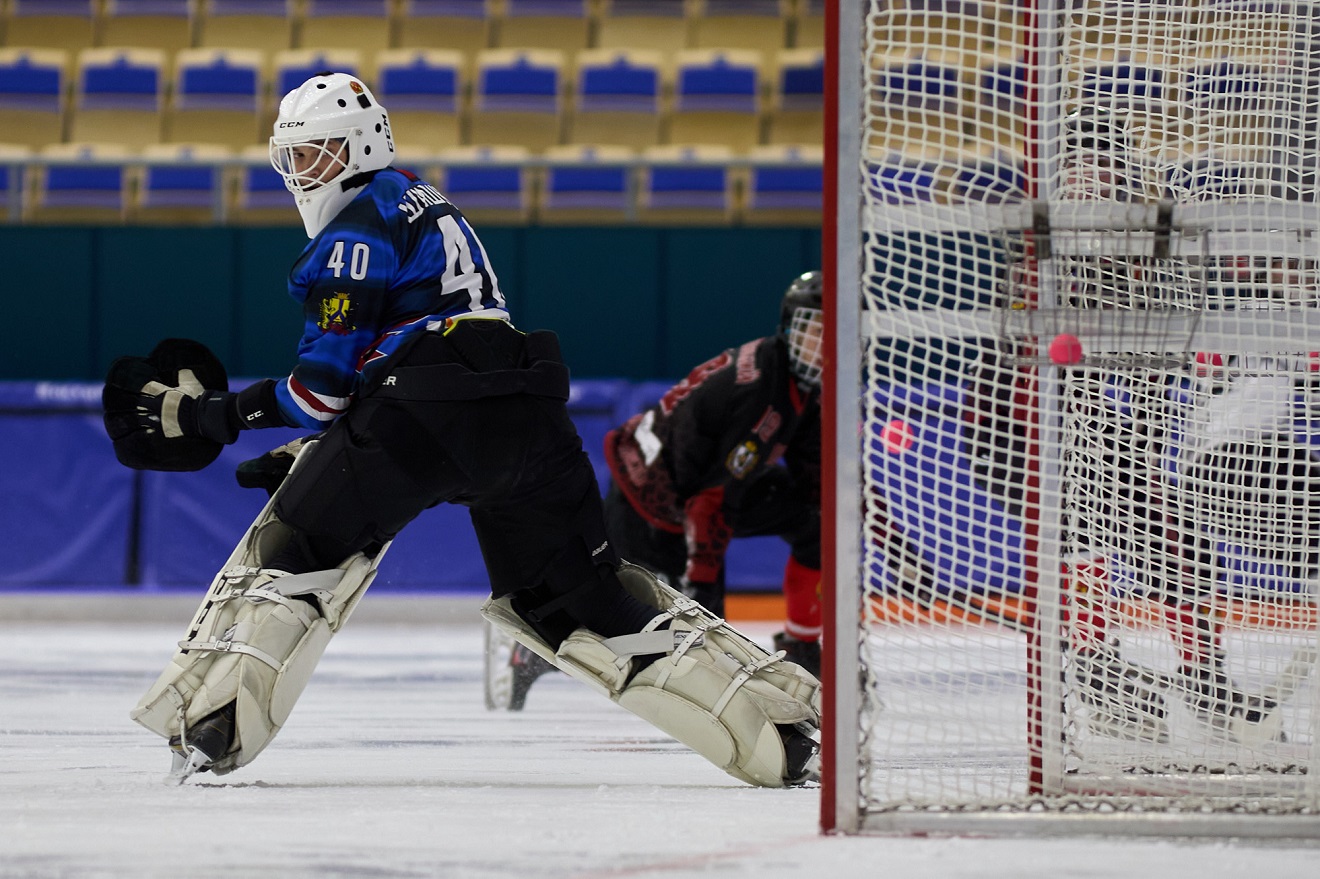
733,450
426,394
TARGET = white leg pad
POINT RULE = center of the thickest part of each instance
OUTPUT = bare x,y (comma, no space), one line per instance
253,643
713,689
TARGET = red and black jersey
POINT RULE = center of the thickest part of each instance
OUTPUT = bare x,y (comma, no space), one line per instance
686,463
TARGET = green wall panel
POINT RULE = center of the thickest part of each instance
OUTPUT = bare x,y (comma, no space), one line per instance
154,283
631,302
47,287
599,290
723,287
269,321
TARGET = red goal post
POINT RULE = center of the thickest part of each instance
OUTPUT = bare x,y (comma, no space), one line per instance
1072,473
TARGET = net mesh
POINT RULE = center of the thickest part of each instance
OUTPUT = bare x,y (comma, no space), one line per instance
1089,466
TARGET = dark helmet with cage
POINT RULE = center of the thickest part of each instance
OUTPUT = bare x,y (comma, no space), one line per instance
801,320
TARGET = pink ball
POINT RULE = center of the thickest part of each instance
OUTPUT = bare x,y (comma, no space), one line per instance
896,436
1066,349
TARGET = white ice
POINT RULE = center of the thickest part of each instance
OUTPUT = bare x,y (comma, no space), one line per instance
392,767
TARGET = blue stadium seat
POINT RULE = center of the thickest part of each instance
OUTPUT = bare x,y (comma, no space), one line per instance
181,183
489,184
919,101
688,185
586,184
617,98
905,178
32,102
119,96
797,104
593,404
13,162
993,177
260,196
1240,103
785,186
85,183
253,24
217,97
717,98
518,98
423,89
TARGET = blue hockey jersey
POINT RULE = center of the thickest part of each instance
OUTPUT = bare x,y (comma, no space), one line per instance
395,260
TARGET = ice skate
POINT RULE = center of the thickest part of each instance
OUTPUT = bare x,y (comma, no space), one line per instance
207,741
1120,697
804,653
526,667
1217,702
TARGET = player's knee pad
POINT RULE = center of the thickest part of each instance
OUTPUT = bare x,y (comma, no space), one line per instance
747,710
254,643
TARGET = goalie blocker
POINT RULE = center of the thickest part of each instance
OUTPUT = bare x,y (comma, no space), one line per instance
692,675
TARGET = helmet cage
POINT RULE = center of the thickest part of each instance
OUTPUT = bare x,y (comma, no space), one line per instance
330,158
803,334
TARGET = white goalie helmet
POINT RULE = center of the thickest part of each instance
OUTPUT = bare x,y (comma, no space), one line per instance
329,130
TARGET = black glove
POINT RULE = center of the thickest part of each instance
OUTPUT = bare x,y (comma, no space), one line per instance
154,412
269,470
188,410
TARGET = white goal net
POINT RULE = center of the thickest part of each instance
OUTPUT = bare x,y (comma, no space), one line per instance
1073,416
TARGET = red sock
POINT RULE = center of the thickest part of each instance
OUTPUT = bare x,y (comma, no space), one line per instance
802,598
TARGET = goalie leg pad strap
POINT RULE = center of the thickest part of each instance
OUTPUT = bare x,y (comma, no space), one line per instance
713,689
255,642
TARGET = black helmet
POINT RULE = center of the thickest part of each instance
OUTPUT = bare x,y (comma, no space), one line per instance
800,321
804,292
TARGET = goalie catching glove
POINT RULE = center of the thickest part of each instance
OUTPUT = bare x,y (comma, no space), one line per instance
746,710
172,409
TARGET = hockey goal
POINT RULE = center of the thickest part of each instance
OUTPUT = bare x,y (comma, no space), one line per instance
1073,417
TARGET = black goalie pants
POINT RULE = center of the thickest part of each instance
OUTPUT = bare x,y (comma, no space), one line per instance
515,460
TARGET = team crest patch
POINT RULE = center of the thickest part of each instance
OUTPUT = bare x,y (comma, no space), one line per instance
742,459
336,315
355,86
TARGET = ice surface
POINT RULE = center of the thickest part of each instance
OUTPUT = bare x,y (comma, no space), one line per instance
392,767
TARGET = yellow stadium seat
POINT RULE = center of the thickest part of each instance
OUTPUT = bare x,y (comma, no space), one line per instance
545,24
118,97
366,25
51,24
217,97
518,98
644,24
717,98
464,25
153,24
797,98
252,24
618,98
741,24
424,90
